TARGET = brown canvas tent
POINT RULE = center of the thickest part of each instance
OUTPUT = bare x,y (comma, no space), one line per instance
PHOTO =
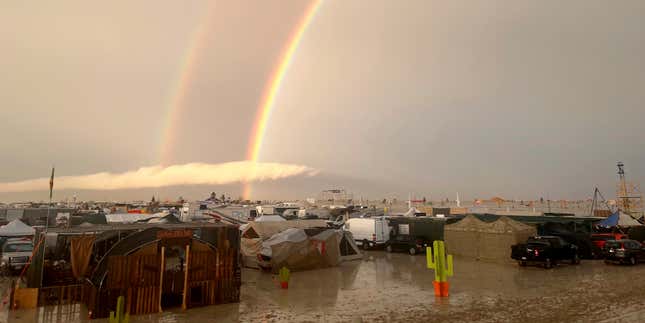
473,238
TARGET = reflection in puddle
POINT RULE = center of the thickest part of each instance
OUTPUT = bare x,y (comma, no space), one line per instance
394,287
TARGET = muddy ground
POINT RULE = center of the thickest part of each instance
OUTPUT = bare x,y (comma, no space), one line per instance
398,288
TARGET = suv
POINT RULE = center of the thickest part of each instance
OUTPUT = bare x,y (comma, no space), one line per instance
624,251
599,240
15,254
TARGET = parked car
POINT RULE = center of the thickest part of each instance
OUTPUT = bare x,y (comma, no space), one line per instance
624,251
413,235
407,243
545,250
15,254
599,240
369,232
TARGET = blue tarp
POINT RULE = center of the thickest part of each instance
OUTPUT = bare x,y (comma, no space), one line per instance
610,221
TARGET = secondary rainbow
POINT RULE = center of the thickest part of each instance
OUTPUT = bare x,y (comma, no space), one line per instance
182,85
273,87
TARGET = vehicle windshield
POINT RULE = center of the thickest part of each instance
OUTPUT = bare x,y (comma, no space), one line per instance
613,245
18,247
538,241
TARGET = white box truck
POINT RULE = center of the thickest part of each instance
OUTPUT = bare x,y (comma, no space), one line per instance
369,232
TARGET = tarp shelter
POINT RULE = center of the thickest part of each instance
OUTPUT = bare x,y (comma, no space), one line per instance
620,219
491,241
300,249
255,233
16,228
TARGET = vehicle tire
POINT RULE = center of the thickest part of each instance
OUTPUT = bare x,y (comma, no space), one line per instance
413,251
632,261
548,264
388,248
522,263
365,245
575,260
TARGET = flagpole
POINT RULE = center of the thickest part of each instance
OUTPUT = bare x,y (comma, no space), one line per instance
44,243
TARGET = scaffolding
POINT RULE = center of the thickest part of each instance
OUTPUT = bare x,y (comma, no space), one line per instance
336,196
628,194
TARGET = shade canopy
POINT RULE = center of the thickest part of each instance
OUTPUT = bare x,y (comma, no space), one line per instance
619,219
16,228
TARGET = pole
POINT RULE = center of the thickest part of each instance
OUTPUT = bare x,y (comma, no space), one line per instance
163,268
51,191
44,245
184,298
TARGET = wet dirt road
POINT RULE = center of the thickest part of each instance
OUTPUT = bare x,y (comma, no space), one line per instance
398,288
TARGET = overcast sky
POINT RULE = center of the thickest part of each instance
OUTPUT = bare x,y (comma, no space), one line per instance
520,99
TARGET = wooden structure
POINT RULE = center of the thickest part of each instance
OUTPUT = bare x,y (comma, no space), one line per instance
153,268
168,268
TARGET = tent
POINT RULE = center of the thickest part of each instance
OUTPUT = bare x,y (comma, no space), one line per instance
16,228
270,218
619,219
254,233
265,230
304,249
491,241
300,244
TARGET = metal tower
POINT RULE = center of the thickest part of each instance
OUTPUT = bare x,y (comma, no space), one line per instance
628,195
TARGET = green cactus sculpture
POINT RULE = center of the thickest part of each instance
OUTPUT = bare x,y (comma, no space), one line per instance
284,275
119,316
438,261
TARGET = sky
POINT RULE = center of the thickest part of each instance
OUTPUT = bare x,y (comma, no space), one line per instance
520,99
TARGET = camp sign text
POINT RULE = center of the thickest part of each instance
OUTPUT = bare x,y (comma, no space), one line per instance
172,234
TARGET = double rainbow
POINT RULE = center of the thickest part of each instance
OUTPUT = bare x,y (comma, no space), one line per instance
268,98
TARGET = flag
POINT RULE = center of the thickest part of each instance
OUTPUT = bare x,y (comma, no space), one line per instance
51,184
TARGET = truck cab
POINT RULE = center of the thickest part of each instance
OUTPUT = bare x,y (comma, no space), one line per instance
15,254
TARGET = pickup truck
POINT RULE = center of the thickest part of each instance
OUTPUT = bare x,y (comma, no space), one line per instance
545,250
15,255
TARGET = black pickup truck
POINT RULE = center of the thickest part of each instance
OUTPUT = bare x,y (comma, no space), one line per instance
546,250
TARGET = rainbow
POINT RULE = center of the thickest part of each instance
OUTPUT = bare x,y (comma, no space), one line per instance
182,85
273,87
187,69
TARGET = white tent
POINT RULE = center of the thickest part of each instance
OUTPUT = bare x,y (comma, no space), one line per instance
132,217
270,218
626,220
16,228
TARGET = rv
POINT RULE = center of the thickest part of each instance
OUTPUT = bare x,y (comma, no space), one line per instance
369,232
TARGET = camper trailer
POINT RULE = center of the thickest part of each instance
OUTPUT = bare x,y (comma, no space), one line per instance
369,232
